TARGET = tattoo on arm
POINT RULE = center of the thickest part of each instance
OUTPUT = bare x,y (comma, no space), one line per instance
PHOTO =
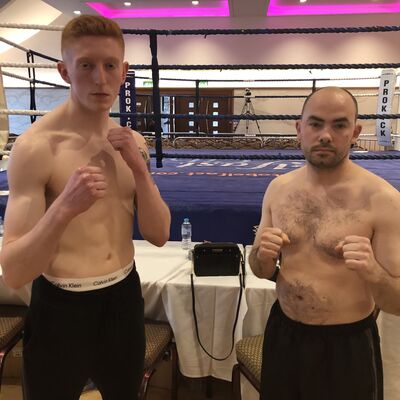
146,157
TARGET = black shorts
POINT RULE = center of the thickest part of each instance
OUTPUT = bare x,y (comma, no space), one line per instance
324,362
72,336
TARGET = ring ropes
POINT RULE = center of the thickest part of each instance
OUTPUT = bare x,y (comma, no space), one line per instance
278,117
277,156
244,116
31,66
155,67
207,32
283,96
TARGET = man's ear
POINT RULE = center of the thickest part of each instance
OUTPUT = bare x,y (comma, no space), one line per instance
356,133
62,70
298,129
125,68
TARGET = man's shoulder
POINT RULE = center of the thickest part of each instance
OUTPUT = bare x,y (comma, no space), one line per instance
379,190
139,137
41,131
34,138
383,190
33,144
373,181
283,184
286,178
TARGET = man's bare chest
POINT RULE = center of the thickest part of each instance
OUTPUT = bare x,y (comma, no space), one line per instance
118,176
320,220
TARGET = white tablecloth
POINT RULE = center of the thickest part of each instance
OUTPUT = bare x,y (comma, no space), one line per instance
156,266
216,304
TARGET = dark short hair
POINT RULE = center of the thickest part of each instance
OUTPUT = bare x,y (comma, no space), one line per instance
90,25
335,87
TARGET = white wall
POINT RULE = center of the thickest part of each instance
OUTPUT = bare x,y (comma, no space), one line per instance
246,49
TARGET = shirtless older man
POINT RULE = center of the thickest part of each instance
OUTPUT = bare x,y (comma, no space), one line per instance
336,228
76,177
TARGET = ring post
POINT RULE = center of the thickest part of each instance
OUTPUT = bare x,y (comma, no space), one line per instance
32,86
197,106
127,101
156,97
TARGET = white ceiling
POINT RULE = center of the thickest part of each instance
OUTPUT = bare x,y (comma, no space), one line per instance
238,8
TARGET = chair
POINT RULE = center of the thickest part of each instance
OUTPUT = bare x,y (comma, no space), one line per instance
249,357
12,320
158,343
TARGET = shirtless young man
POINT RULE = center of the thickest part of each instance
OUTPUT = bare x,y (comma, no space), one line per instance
336,227
76,178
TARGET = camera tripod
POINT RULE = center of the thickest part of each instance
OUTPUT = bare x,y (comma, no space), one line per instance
248,109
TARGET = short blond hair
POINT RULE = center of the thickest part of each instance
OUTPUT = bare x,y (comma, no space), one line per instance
90,25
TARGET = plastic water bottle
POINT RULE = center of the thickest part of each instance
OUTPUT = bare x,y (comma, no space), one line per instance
186,231
1,227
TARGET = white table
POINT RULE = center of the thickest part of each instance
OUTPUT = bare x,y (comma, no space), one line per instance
216,304
156,266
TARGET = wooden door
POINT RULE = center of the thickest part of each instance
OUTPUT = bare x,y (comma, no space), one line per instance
207,105
183,101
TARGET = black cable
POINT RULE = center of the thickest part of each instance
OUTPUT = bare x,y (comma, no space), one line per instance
241,282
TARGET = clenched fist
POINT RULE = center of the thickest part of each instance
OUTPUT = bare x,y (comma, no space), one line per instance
271,243
359,256
122,140
85,186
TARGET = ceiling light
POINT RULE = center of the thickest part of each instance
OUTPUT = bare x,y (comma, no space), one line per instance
77,12
220,10
195,2
275,8
303,1
127,3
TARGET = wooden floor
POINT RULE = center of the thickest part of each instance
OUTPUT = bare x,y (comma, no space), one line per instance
193,389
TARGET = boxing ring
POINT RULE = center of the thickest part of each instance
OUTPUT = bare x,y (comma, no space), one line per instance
221,187
223,196
218,181
220,190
